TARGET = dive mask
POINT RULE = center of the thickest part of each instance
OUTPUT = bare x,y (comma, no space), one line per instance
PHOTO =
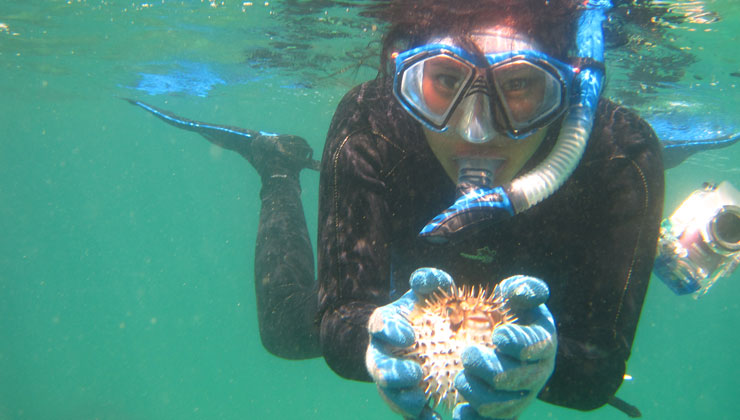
523,90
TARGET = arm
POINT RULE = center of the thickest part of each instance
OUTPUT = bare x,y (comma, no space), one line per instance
600,304
355,234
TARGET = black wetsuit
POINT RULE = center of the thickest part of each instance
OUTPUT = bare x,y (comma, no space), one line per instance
593,241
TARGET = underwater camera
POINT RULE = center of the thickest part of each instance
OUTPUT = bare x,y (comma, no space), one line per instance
700,242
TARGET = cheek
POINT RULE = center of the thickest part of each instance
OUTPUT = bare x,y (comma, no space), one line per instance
522,110
523,150
444,150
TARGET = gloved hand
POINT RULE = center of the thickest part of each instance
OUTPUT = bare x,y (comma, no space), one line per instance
398,379
501,383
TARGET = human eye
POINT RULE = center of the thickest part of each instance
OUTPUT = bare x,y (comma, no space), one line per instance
518,79
517,85
447,82
445,75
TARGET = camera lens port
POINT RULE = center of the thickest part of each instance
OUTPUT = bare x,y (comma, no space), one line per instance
725,228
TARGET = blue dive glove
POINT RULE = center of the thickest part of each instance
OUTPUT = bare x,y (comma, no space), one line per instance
398,379
501,383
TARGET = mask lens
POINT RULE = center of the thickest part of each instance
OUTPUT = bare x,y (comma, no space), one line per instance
432,86
528,93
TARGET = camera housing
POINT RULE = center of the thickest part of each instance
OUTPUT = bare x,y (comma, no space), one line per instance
700,242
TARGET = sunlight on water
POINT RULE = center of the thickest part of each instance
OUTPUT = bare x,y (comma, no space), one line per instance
127,245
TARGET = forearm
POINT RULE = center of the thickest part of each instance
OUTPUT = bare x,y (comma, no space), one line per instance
585,377
344,339
355,233
284,274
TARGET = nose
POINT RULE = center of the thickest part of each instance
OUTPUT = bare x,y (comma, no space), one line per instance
475,122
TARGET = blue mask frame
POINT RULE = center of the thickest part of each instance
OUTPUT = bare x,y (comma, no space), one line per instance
563,73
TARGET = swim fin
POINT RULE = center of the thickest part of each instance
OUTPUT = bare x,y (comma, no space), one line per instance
676,151
237,139
682,134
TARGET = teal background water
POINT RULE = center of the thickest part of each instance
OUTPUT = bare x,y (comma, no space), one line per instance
126,246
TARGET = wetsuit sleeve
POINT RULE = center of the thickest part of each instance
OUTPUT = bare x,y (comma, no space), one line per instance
354,255
617,225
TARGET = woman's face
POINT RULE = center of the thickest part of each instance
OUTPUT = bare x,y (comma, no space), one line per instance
522,96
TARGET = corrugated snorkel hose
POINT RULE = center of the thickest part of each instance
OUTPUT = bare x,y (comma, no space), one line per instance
542,181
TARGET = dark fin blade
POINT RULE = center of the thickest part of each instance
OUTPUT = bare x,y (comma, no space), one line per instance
621,405
676,151
230,138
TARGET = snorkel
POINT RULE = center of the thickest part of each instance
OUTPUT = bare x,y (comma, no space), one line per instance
480,203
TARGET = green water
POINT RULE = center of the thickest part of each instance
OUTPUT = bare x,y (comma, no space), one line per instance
126,245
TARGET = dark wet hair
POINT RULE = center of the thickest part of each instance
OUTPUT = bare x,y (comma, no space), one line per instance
551,23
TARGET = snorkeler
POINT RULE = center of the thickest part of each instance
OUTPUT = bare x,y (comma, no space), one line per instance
482,149
491,122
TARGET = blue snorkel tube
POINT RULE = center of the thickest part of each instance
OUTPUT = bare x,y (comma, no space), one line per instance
484,205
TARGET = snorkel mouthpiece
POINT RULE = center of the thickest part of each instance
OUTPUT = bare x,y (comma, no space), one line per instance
477,199
480,205
475,172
